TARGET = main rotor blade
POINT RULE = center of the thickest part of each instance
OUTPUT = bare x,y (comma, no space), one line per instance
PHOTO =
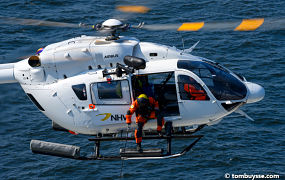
35,22
244,25
133,9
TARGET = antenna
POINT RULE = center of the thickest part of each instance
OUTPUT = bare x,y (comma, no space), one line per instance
182,44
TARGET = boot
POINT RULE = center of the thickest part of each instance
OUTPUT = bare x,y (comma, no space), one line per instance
139,147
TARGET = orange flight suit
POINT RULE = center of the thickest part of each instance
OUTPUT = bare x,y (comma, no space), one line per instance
142,115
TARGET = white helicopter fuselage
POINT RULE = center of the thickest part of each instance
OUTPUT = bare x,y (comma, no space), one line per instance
70,79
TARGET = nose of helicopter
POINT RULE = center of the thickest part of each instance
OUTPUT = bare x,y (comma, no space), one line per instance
255,92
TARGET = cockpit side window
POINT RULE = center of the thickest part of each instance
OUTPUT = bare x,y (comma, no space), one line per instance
190,89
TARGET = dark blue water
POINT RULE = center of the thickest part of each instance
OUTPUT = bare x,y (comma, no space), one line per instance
235,146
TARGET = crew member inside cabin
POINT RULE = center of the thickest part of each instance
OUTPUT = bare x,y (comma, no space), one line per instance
194,90
194,93
145,108
142,86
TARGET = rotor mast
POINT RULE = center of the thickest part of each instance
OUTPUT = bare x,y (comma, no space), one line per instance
112,27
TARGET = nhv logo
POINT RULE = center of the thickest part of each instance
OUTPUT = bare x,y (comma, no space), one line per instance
107,115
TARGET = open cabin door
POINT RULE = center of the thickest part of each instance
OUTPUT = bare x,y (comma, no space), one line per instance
160,86
195,104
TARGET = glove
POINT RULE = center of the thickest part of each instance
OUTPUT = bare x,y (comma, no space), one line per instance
128,119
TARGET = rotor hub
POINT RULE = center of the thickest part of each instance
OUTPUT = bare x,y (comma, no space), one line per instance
112,23
113,27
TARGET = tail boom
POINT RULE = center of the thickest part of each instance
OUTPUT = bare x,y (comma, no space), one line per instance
7,73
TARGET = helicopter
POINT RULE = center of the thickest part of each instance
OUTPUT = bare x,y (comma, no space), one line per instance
86,84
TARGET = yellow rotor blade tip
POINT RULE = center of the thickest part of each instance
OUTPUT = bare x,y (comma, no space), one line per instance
249,24
193,26
133,9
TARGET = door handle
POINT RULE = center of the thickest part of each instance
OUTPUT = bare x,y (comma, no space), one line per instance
90,110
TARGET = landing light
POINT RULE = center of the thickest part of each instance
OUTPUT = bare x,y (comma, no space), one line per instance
135,62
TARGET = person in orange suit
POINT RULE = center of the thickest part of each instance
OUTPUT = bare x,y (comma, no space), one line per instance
145,108
195,93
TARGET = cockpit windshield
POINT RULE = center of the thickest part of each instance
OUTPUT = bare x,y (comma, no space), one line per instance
219,80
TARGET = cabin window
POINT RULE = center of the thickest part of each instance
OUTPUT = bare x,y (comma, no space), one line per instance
190,89
152,54
113,92
80,91
110,90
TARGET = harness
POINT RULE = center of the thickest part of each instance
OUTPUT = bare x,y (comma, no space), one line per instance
145,111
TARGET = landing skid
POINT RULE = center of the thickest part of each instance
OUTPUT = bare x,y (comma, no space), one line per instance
68,151
73,152
147,153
